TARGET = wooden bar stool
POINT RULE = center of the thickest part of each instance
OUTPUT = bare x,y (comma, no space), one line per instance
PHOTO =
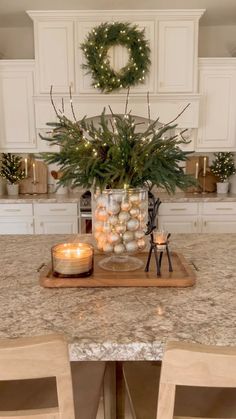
37,358
38,374
202,377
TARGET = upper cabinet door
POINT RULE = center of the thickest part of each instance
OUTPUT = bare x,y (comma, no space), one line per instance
17,124
54,56
177,54
217,85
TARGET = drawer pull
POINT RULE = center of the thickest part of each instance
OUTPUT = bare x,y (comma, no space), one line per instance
12,210
224,209
57,209
178,209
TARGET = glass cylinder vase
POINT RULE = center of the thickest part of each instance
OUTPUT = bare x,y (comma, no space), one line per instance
119,225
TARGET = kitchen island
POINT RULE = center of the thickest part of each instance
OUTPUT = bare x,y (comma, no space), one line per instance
120,323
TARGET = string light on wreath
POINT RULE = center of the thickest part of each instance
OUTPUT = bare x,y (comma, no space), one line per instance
96,47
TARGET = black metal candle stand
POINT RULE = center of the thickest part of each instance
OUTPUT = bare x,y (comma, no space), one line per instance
157,248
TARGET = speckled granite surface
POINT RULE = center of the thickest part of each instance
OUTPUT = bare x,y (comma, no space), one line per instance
178,197
121,323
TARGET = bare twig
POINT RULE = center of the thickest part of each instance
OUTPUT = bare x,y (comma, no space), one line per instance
62,105
71,105
173,120
52,102
148,105
127,101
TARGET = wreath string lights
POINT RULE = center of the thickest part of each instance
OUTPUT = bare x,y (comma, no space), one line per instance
96,47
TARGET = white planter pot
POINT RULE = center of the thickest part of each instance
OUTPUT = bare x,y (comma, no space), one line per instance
12,189
222,187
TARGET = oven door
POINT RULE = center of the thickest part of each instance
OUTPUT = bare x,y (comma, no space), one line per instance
85,223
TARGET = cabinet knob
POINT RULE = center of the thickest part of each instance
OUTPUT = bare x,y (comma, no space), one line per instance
205,223
41,224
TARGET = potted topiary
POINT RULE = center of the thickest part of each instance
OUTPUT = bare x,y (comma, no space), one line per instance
11,170
223,167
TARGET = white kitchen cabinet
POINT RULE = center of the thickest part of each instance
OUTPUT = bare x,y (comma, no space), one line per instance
217,85
176,70
218,217
58,218
16,219
17,121
56,225
179,217
54,54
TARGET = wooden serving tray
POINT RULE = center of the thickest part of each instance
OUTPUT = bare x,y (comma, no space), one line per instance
182,276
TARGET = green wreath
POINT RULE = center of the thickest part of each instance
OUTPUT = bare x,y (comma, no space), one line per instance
96,47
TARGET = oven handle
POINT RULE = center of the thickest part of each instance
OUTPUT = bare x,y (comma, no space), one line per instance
86,215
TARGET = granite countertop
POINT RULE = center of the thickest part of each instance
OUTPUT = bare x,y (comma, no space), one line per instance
178,197
120,323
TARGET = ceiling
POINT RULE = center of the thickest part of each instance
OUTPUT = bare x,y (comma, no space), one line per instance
218,12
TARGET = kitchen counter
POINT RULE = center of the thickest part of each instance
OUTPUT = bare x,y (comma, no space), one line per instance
178,197
120,323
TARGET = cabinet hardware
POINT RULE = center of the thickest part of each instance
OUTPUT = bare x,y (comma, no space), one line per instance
224,209
205,223
12,210
178,209
195,223
41,224
57,209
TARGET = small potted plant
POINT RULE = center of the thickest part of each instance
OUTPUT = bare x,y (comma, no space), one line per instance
223,167
11,170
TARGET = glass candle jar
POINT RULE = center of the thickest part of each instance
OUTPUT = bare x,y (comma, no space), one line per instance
72,260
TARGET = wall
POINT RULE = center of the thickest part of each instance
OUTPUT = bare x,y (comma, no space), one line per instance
16,43
217,41
214,41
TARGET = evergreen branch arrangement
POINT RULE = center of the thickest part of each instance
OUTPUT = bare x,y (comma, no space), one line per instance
96,47
223,166
11,168
116,153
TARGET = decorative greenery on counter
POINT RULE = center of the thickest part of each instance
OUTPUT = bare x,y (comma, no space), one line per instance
116,153
223,166
96,47
11,168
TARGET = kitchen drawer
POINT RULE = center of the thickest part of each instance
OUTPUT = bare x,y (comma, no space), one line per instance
189,208
14,210
55,209
218,208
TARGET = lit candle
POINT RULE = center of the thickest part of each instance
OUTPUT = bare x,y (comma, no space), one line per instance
26,167
72,260
34,173
160,237
204,166
196,170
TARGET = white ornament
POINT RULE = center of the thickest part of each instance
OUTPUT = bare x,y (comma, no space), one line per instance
128,236
113,208
101,201
125,206
124,216
134,199
139,234
113,220
101,214
143,205
107,247
133,224
119,249
120,228
131,246
134,212
113,238
141,244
